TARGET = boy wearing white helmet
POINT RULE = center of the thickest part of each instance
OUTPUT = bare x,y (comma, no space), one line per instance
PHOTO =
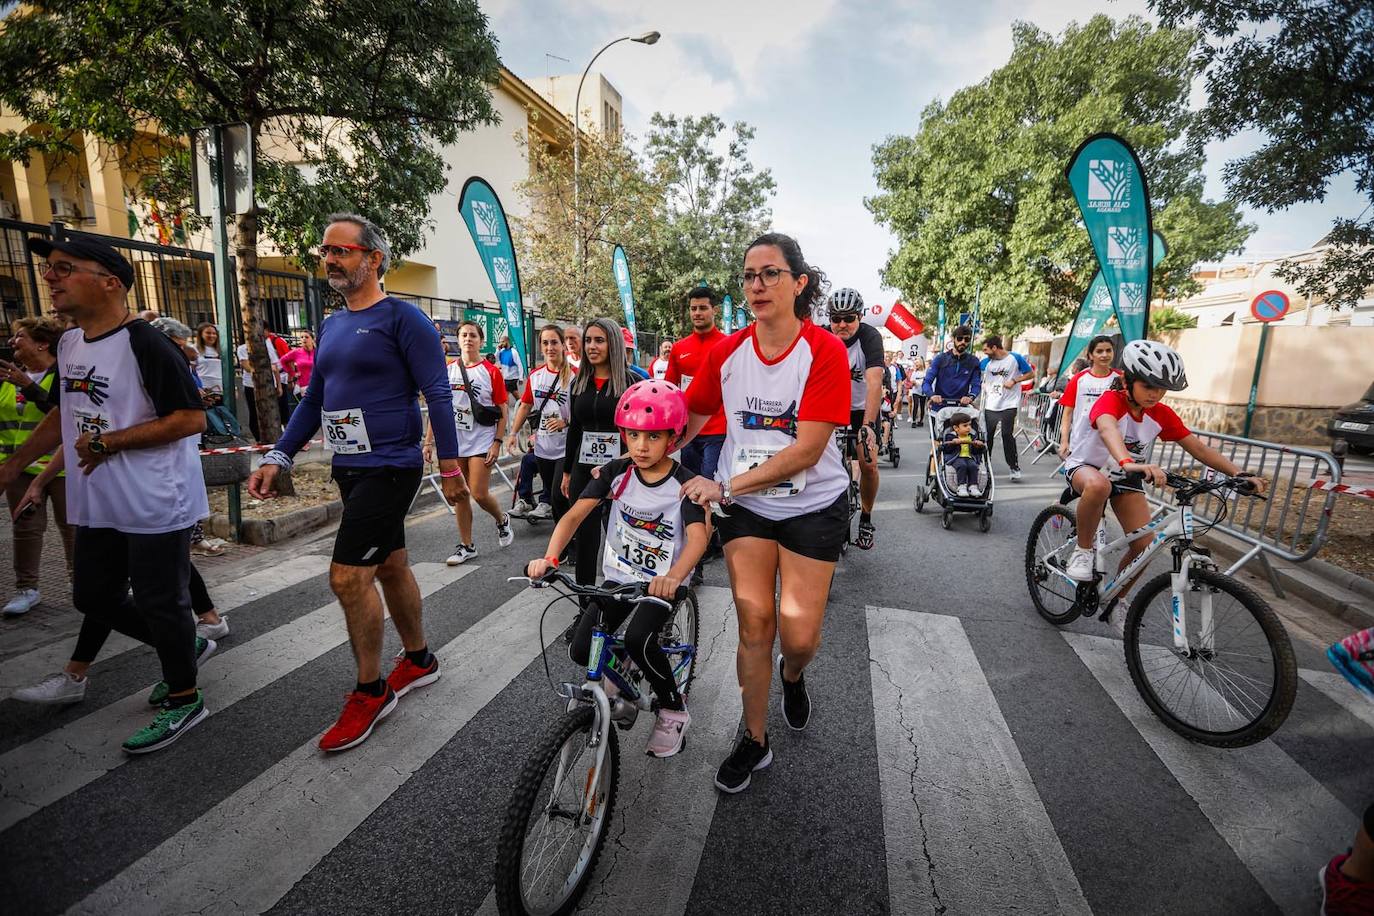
1110,465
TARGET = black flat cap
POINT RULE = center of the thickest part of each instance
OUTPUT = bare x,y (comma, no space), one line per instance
88,250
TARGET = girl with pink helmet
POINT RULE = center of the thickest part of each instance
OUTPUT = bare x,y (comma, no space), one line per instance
653,536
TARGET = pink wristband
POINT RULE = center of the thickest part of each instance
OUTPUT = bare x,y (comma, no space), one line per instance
456,472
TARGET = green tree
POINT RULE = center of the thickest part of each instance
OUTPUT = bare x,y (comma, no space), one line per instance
348,102
618,204
717,203
978,192
1302,73
1169,319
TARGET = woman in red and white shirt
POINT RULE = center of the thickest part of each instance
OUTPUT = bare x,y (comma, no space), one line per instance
783,385
476,384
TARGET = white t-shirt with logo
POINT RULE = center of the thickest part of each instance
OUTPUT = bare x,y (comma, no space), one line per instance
996,372
542,384
658,368
1158,422
473,437
1080,394
129,376
763,402
646,529
865,349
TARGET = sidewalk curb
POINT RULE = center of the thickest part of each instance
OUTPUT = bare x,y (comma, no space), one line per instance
1330,589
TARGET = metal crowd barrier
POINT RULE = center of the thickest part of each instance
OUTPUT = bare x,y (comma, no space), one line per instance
1291,524
1037,423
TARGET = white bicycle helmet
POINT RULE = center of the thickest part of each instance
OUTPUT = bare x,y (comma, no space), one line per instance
1154,364
846,302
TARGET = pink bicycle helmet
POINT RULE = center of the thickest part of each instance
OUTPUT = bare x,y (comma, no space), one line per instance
652,404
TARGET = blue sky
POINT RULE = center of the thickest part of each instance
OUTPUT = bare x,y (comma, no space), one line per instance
822,81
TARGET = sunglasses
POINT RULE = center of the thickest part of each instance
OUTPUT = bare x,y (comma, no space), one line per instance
339,251
844,319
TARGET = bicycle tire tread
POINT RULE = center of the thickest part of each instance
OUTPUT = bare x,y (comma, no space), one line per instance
1073,613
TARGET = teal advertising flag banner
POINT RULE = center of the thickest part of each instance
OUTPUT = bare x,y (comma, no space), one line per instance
727,311
486,219
620,266
1097,308
940,328
1109,186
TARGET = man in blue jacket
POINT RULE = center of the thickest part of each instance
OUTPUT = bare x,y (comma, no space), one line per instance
954,377
372,361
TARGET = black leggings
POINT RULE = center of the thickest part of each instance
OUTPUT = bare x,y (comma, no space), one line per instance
641,639
1007,420
200,595
551,476
592,531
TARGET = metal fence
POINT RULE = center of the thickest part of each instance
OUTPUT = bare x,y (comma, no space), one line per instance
1291,523
178,282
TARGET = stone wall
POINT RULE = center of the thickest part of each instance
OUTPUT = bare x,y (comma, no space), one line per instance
1287,425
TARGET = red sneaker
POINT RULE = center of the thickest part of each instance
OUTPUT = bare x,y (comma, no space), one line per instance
1342,896
407,675
360,715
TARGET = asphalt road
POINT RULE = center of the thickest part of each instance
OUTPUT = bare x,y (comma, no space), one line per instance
964,757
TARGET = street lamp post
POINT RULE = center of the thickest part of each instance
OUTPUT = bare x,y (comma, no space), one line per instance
579,250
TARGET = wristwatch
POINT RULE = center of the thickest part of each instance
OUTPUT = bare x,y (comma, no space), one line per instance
97,445
725,497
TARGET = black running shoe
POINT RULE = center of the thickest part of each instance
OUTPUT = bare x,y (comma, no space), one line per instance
735,773
864,541
796,702
698,577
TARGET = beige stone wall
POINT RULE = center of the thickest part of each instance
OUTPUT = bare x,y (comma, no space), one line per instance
1287,425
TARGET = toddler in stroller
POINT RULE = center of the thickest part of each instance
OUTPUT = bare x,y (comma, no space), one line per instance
963,452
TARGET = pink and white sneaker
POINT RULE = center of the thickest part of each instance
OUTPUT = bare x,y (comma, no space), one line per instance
1353,657
669,734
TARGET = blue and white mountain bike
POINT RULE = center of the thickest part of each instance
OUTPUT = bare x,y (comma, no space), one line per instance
1208,655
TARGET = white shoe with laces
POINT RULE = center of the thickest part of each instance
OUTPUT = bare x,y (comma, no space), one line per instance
22,602
213,630
521,509
1080,565
504,535
542,511
53,690
461,554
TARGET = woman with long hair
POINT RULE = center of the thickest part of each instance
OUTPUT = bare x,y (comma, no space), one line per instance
784,386
299,362
593,437
479,411
547,393
209,365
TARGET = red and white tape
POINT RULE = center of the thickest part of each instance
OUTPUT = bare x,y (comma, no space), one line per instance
1362,490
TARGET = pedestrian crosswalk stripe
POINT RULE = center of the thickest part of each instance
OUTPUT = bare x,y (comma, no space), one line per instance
664,808
989,846
65,759
308,802
1338,689
32,666
1274,816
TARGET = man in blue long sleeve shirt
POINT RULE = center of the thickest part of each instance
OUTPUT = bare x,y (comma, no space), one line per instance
954,377
371,362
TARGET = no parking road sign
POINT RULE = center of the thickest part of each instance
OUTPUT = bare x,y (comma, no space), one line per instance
1270,306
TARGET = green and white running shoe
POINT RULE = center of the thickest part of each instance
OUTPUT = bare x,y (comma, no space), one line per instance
170,723
204,649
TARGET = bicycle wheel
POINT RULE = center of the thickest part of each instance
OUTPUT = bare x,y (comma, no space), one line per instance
1053,595
557,821
683,629
1235,683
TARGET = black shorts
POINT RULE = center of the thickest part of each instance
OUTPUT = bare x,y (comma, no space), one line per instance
375,503
818,535
1130,483
856,420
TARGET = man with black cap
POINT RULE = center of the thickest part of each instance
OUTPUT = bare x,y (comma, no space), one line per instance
128,417
954,377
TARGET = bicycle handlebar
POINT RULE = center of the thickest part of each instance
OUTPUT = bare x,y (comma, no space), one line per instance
635,591
1192,486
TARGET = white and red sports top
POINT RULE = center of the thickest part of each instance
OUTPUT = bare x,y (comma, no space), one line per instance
544,394
487,384
658,368
1080,394
1158,422
764,400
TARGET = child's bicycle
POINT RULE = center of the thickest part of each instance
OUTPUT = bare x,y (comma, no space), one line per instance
560,811
1208,655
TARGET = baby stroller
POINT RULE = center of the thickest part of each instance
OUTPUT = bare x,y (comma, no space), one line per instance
940,483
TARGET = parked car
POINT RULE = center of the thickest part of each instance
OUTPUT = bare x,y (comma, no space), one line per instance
1355,424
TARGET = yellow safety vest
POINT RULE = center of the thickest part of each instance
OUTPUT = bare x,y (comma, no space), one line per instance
19,418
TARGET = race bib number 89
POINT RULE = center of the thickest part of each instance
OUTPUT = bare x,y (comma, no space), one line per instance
598,448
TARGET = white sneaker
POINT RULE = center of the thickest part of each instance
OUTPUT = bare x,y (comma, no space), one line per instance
213,630
504,535
1015,473
521,509
1080,565
962,490
461,553
22,602
54,689
542,511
